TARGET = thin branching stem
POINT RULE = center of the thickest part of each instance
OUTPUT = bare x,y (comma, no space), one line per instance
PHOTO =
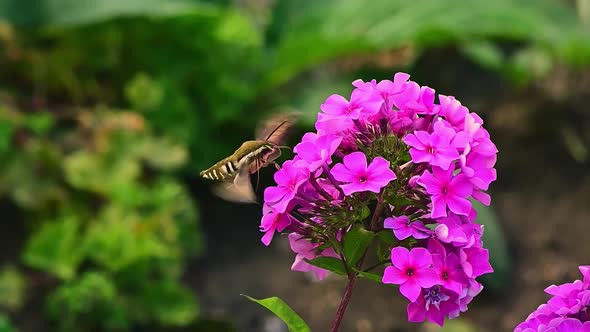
353,276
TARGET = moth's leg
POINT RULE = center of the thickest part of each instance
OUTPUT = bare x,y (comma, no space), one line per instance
257,173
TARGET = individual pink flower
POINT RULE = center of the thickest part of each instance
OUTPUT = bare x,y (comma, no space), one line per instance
437,149
450,230
452,110
359,177
273,221
433,304
316,150
411,270
288,178
403,228
450,276
361,100
479,169
447,190
386,88
306,250
425,102
475,261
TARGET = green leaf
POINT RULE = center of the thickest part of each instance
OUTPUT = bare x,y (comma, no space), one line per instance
12,288
486,53
94,172
144,93
76,12
163,154
5,325
117,240
386,236
55,248
40,123
6,130
284,312
329,263
356,242
370,276
92,294
495,242
315,34
453,325
171,303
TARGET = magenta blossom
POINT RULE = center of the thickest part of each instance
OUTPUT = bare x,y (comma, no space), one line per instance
452,110
411,270
450,275
403,228
447,191
337,106
360,177
433,304
475,261
316,150
567,309
273,221
306,250
288,178
439,148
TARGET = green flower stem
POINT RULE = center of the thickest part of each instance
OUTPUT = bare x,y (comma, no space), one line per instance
353,277
378,212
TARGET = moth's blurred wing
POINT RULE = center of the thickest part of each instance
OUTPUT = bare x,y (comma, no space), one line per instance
276,128
239,191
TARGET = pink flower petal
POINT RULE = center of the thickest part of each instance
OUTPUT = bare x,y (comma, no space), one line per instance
356,162
420,258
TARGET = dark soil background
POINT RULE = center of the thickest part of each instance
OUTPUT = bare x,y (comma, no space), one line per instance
542,198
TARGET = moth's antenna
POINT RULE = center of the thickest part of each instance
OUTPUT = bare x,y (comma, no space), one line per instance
274,130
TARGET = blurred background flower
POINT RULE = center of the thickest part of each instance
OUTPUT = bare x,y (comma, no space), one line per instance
109,109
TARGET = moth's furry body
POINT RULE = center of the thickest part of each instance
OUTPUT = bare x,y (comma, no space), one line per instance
249,152
233,172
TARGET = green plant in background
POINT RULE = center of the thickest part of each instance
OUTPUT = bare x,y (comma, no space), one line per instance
99,186
110,223
214,63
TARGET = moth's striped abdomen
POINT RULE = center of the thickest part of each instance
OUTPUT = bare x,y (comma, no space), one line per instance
224,170
228,168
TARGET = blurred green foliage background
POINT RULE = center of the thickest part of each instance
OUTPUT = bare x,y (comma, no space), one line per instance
108,110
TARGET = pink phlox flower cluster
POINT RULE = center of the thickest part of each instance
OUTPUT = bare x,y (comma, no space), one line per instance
390,143
566,311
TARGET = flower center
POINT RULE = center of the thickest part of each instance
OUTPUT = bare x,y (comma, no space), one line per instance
363,178
435,297
445,190
431,150
445,275
410,272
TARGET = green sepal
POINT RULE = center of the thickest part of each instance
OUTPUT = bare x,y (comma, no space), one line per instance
370,276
